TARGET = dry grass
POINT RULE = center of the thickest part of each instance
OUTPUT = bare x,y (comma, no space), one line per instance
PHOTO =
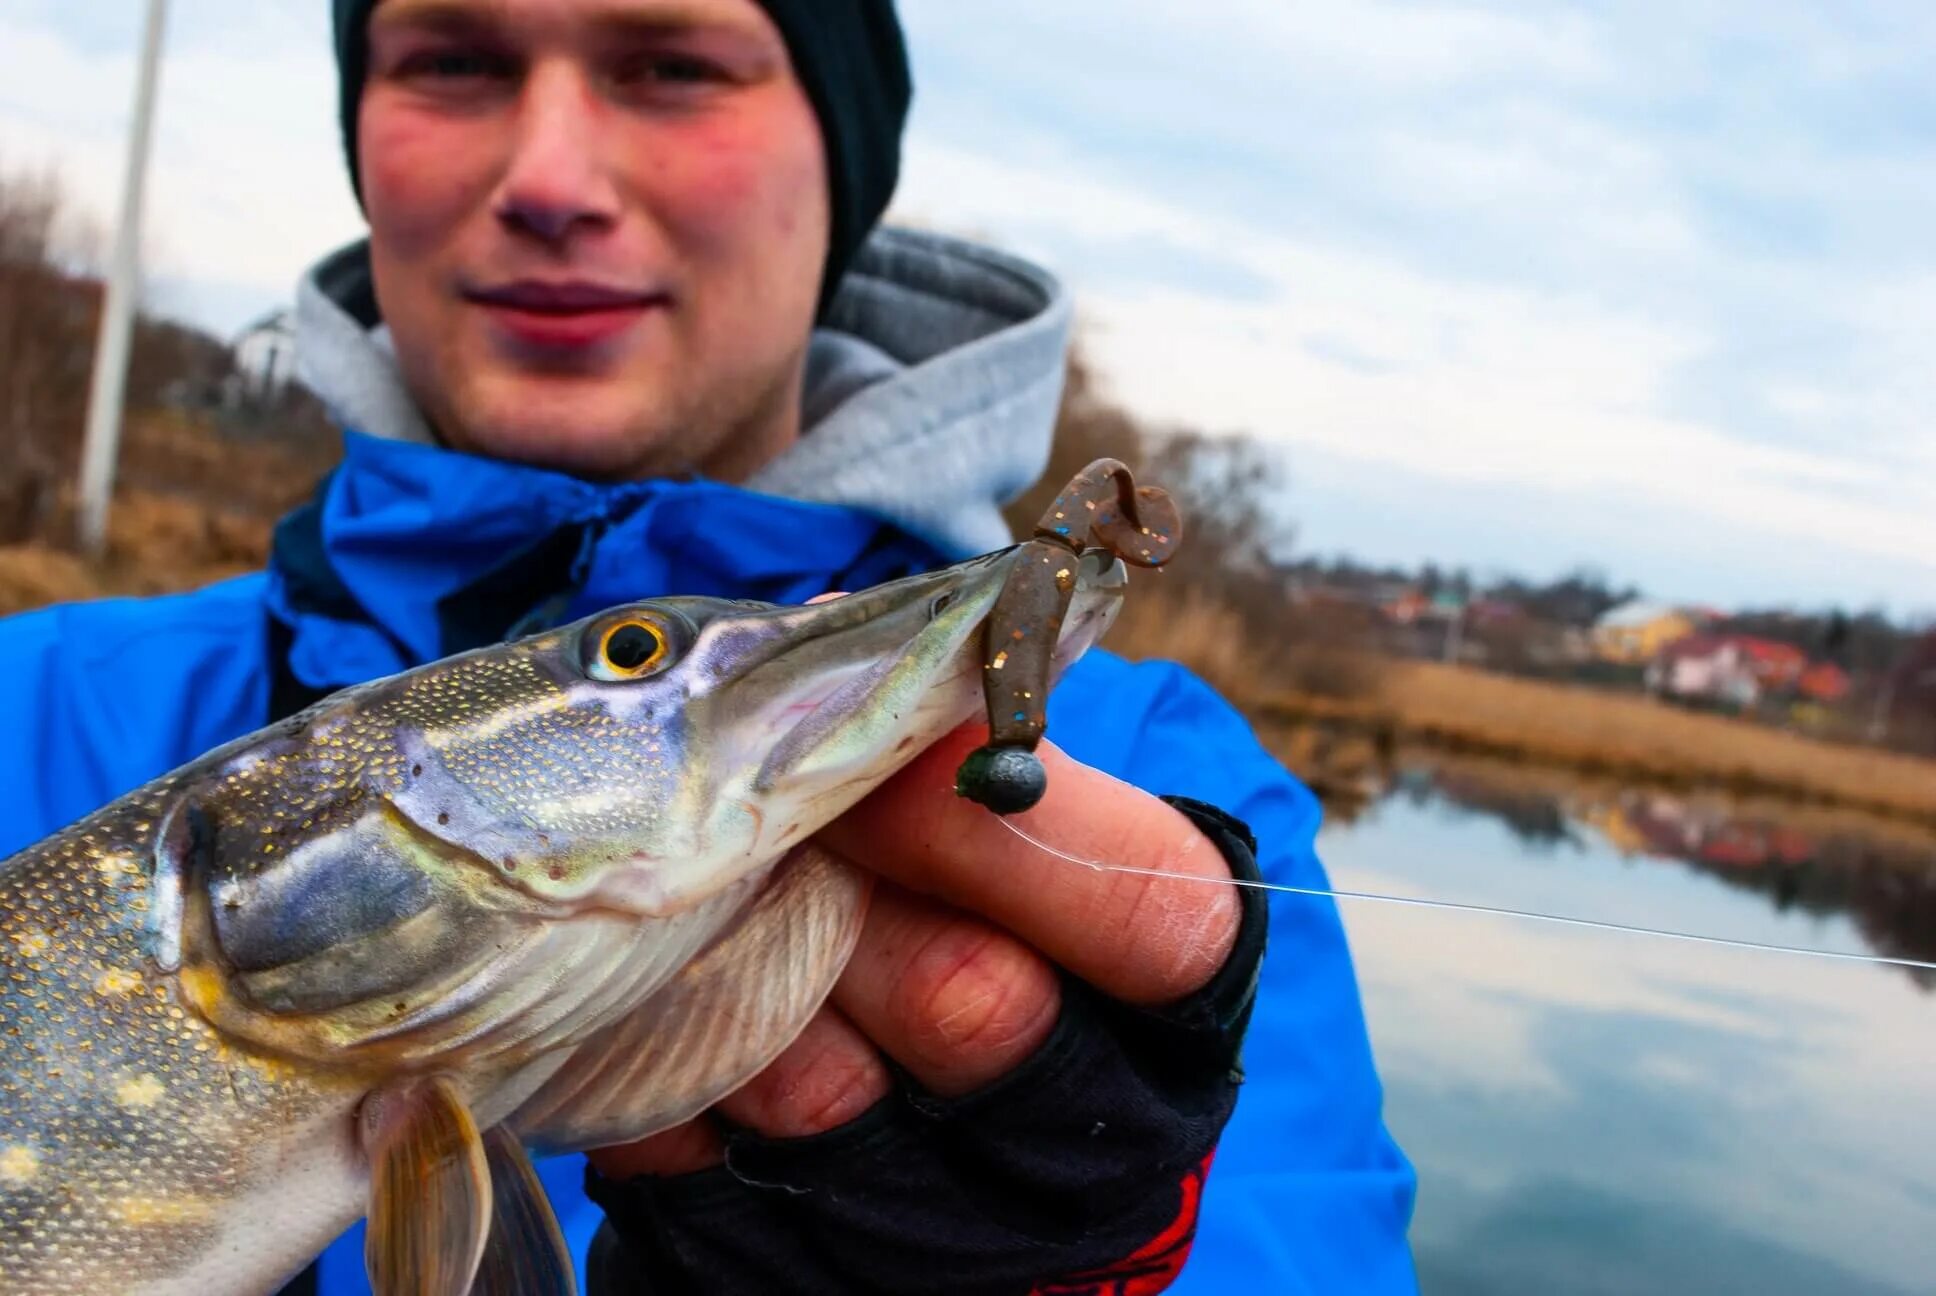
156,544
1620,736
1185,625
1165,618
1345,767
192,508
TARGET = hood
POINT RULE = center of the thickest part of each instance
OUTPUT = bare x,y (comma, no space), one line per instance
930,397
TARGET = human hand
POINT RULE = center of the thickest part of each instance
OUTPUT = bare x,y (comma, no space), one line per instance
953,976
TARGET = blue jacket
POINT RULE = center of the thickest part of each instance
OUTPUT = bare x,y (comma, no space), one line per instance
411,549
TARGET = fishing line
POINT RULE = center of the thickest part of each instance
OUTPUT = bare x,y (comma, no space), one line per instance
1494,911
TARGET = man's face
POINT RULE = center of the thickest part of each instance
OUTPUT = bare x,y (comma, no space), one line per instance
597,227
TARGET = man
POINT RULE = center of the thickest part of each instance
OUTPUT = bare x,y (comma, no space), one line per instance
579,363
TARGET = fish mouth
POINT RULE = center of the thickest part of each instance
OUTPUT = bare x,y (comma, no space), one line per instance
787,683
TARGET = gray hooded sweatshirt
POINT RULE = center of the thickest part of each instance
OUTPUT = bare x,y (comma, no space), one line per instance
931,388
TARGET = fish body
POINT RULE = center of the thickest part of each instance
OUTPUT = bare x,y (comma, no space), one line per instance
568,878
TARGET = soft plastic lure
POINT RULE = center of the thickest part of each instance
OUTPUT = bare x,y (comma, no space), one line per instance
1102,508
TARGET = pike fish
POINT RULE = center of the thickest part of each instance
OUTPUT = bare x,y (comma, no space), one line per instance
549,895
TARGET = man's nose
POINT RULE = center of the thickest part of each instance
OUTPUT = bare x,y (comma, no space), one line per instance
555,183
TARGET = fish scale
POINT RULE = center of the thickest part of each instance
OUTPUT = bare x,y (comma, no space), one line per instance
124,1113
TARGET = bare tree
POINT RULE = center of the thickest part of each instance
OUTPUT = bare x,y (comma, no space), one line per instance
46,315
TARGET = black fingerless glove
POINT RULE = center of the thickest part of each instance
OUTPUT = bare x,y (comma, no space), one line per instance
1079,1171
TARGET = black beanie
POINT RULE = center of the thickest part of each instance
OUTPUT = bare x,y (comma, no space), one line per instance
850,58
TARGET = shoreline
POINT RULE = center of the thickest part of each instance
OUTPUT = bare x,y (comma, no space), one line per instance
1334,743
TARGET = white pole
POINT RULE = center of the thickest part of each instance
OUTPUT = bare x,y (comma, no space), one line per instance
109,384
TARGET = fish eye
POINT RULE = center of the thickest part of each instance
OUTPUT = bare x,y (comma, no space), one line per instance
628,649
942,602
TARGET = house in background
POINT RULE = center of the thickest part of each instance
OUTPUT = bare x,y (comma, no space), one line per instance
1633,634
1731,670
265,356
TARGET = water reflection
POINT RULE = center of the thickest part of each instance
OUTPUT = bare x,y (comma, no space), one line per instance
1599,1113
1881,876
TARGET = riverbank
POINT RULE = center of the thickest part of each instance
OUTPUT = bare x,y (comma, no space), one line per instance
1339,714
1625,738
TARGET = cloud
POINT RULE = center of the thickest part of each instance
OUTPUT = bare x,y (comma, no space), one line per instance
1663,264
1476,384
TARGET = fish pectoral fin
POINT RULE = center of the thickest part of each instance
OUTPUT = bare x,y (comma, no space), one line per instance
526,1254
709,1029
430,1190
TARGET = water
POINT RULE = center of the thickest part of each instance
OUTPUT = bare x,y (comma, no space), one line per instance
1590,1112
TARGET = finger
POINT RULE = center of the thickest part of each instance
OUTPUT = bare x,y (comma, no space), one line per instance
1143,939
826,1077
683,1149
948,996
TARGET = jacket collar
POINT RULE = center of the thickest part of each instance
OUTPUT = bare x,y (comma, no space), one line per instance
410,552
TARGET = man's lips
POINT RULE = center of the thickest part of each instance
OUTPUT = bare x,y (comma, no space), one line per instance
563,314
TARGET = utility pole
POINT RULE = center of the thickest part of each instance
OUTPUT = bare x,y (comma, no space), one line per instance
108,387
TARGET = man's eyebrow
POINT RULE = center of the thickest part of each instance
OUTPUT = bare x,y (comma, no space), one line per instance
433,15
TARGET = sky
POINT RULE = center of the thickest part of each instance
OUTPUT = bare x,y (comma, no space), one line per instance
1512,286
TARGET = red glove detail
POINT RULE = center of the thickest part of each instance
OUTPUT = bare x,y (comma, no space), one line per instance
1152,1267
